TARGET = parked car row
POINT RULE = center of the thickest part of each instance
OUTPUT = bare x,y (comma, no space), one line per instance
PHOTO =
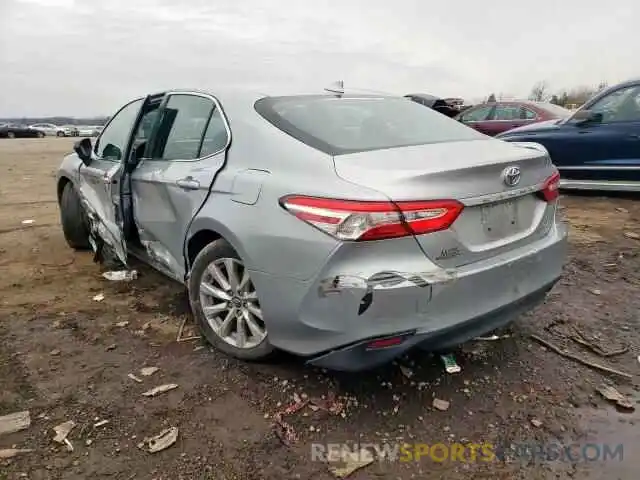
90,130
598,146
494,118
50,129
447,106
40,130
594,147
14,130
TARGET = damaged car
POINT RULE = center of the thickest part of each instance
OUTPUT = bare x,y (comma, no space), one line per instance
340,227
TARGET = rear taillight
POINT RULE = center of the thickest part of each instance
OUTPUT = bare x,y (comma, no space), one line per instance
362,220
551,189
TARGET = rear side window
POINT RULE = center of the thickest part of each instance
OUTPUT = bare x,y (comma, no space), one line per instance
507,112
184,120
345,125
216,135
477,114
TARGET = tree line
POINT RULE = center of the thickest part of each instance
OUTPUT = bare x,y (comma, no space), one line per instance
573,97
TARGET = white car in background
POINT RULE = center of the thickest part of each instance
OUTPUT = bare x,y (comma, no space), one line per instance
50,129
70,130
89,130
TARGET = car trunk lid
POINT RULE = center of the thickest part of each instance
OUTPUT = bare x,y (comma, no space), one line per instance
497,216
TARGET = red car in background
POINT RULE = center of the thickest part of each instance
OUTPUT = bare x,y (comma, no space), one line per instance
494,118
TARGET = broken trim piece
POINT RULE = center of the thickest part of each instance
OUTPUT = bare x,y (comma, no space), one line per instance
383,280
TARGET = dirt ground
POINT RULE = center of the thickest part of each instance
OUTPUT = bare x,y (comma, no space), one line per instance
65,356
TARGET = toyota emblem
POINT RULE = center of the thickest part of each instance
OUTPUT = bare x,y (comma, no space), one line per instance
511,176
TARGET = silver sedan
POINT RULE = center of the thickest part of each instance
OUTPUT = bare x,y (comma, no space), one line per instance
344,228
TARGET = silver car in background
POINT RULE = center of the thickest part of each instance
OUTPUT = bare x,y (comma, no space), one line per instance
89,130
344,228
50,129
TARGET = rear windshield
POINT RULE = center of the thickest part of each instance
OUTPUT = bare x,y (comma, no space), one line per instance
344,125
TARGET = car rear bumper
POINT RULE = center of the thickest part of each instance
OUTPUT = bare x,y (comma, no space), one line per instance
360,356
375,291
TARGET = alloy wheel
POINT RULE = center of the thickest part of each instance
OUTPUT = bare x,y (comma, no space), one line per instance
230,304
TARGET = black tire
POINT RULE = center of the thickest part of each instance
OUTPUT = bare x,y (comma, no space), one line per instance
60,134
213,251
11,135
74,220
40,134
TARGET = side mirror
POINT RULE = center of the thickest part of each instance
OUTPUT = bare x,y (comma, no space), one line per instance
582,117
83,150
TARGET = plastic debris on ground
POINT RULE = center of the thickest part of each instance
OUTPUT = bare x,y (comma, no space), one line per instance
492,338
450,364
62,431
616,397
441,405
349,461
148,371
121,275
160,442
160,389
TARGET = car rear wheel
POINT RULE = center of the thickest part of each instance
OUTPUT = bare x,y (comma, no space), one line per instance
11,135
60,134
74,219
225,303
40,134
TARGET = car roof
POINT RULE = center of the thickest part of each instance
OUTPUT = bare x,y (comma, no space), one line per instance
252,94
238,101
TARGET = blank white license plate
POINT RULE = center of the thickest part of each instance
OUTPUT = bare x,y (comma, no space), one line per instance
500,219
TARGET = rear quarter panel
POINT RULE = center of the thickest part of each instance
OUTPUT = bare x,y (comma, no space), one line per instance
268,238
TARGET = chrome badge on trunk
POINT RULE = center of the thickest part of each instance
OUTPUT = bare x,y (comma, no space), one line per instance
511,176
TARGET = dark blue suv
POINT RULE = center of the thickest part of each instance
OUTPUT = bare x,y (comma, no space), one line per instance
598,147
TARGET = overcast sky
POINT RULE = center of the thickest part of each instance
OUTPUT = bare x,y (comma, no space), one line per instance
85,57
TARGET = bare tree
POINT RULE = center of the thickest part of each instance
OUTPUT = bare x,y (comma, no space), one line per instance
492,98
540,92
